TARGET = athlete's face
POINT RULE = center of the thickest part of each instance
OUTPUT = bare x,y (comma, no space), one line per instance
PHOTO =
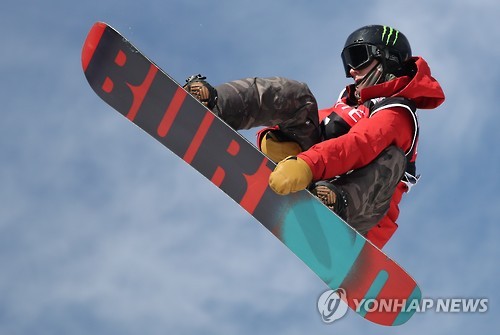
359,74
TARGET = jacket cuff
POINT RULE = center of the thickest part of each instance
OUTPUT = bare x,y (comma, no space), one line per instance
316,170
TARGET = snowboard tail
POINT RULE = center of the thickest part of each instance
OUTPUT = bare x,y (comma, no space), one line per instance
133,85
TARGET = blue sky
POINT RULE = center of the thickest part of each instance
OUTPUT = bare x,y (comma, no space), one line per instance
103,231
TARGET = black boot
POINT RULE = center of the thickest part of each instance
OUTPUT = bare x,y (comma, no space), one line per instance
198,87
332,196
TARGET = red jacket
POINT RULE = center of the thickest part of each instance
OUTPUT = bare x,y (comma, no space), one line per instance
370,133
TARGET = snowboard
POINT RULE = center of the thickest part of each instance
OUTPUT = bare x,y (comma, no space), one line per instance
137,88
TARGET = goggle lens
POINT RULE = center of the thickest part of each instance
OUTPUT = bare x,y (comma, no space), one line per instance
357,56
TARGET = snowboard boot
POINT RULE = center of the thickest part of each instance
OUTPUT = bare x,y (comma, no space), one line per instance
332,196
199,88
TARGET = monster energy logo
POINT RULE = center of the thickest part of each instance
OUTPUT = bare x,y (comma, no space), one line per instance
387,34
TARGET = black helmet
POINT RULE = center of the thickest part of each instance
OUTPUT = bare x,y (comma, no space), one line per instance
384,43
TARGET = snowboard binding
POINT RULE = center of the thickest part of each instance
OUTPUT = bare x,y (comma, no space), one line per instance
198,87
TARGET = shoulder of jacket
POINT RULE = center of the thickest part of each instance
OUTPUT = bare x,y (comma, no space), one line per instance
384,103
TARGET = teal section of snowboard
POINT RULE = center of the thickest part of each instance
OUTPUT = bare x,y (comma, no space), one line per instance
374,291
408,311
324,242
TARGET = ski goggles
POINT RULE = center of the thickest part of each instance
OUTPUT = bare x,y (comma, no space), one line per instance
358,56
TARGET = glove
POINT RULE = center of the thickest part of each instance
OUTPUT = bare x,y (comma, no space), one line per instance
290,175
201,90
278,150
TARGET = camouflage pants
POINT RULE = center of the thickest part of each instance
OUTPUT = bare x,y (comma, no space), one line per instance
275,101
253,102
368,191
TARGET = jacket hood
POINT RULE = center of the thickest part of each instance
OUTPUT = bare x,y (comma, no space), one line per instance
421,88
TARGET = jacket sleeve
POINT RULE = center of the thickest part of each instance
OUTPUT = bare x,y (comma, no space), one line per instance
362,144
276,101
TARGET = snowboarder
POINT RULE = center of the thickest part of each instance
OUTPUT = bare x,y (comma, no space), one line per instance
358,156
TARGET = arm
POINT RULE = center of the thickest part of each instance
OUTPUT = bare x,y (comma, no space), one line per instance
361,145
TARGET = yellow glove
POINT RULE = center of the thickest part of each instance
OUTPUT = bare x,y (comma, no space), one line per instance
290,175
278,150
